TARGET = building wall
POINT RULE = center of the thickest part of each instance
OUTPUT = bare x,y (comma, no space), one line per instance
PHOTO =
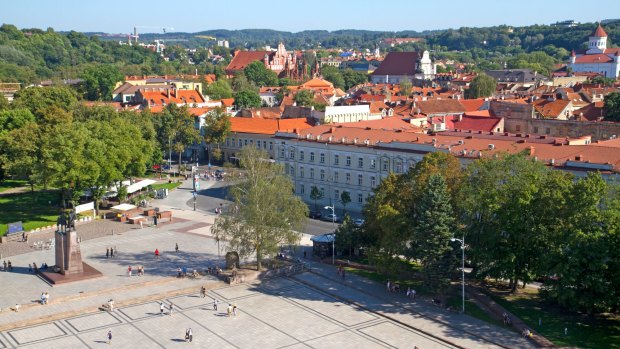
237,140
610,70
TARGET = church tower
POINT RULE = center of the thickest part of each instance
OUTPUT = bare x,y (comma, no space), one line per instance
597,42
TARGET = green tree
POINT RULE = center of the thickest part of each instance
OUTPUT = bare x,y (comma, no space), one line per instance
266,212
11,119
219,89
304,98
612,106
481,86
405,87
257,73
247,99
435,225
333,75
99,82
348,236
315,195
217,127
345,199
38,99
4,103
353,78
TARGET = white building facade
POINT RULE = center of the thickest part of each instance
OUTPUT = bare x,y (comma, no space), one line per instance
597,58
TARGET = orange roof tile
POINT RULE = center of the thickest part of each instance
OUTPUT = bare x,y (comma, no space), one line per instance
267,126
472,104
243,58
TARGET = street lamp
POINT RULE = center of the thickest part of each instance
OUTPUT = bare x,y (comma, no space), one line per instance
334,240
462,266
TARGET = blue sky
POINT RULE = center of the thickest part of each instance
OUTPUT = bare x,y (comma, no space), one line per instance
114,16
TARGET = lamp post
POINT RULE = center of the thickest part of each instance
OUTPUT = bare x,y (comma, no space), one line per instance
462,266
334,225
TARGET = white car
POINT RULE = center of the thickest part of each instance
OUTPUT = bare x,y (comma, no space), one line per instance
359,222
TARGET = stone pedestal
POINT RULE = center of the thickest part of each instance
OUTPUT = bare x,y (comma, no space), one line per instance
68,254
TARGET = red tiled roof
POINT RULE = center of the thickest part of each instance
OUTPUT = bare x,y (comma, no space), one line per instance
243,58
472,104
178,97
480,113
398,63
599,32
441,106
388,123
477,123
594,58
267,126
551,109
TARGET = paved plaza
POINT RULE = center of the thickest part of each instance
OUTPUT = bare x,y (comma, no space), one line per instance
314,309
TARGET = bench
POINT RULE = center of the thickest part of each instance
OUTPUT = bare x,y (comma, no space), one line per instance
137,219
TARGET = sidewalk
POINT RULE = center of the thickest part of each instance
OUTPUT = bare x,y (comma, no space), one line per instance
420,314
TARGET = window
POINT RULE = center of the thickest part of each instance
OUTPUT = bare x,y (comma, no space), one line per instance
311,172
373,163
547,130
301,172
373,182
228,142
322,191
336,177
336,194
270,145
360,198
518,128
348,177
302,189
292,171
360,179
292,154
336,159
282,152
301,155
240,144
322,175
257,144
245,142
265,145
399,167
385,165
535,129
322,160
312,157
360,162
348,161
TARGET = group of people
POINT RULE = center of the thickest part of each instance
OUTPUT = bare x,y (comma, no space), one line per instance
506,319
232,309
411,293
45,298
8,266
392,286
214,270
109,252
189,335
130,270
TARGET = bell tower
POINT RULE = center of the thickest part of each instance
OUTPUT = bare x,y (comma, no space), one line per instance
597,42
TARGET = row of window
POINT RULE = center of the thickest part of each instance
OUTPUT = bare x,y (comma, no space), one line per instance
302,192
322,176
230,142
360,160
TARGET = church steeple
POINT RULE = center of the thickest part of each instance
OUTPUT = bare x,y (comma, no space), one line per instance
598,40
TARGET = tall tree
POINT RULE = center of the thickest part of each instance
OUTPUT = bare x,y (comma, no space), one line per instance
304,98
217,127
257,73
247,99
481,86
99,82
435,226
333,75
266,211
353,78
612,106
219,89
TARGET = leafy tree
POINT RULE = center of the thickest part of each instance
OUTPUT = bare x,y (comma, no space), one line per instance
99,82
219,89
315,195
348,235
333,75
38,99
612,106
345,199
257,73
405,87
247,99
11,119
4,103
353,78
241,83
217,128
481,86
266,211
304,98
435,225
185,130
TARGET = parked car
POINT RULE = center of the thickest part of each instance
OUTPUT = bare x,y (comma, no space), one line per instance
315,214
331,218
359,222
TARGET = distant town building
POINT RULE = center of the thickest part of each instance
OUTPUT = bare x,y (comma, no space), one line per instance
400,66
597,58
569,23
223,43
280,61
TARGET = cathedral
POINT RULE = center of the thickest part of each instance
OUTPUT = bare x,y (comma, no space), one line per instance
280,61
597,58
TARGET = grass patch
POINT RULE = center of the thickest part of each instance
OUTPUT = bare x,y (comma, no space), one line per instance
472,309
37,212
168,186
12,183
583,331
382,279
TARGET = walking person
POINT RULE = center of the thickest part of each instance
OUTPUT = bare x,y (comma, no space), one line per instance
161,308
129,271
170,309
342,274
157,254
111,252
234,310
5,268
10,266
214,304
187,335
107,253
29,268
190,334
228,310
203,292
111,305
110,337
176,247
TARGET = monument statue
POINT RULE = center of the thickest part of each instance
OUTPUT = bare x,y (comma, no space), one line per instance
68,254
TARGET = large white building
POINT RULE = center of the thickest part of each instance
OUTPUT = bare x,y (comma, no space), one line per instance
597,58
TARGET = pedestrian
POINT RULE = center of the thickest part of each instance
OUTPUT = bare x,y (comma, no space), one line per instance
129,271
42,298
170,308
187,335
107,253
10,266
161,308
234,310
29,268
157,254
111,305
342,274
176,247
5,268
190,335
17,306
388,286
214,304
413,294
304,254
141,224
111,252
203,292
110,337
228,310
47,298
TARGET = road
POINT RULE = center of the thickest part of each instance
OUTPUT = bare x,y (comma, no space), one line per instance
213,194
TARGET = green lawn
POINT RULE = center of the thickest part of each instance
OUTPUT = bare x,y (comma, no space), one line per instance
41,212
168,186
11,183
583,331
472,309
